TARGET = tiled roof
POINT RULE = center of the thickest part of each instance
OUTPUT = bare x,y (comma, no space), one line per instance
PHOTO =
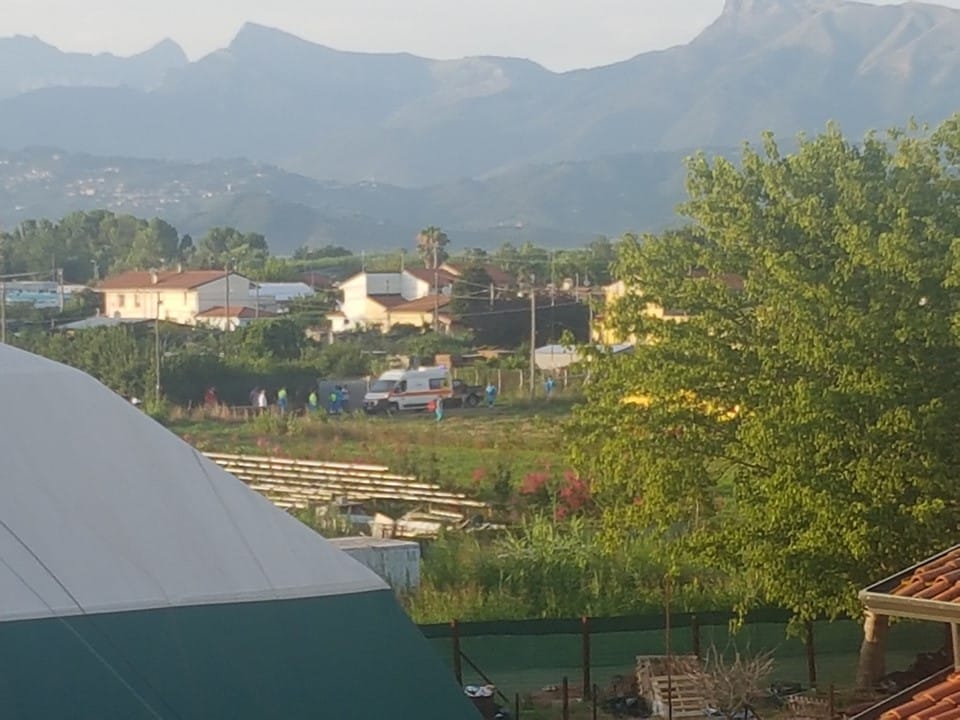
424,304
937,580
234,311
166,280
388,301
498,275
731,280
940,702
444,277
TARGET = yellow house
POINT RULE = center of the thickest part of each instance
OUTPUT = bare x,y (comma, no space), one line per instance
175,295
603,333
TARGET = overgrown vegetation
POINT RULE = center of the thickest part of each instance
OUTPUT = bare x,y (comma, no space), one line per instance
550,567
799,425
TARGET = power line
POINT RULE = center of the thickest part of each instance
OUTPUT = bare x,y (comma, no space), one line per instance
515,310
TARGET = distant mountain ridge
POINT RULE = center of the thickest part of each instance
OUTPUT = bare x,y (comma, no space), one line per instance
784,65
560,205
28,64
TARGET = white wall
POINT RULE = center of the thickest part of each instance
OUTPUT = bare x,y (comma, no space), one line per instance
178,306
397,562
414,288
356,290
354,304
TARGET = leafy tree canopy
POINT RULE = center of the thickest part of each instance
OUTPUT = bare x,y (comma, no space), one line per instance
471,291
246,252
89,244
800,427
432,245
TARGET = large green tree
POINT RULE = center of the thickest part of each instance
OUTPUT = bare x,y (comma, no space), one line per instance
245,252
472,292
87,245
800,427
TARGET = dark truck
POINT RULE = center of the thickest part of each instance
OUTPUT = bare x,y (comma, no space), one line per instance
464,395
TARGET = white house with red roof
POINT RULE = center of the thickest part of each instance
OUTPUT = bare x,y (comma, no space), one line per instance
373,299
184,296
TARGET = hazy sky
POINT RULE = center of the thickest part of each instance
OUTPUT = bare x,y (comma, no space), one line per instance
560,34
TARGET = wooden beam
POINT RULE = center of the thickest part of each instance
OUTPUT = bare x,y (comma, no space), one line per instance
955,636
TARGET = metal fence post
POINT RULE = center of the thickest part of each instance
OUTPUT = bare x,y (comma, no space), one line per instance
457,663
566,699
585,632
695,632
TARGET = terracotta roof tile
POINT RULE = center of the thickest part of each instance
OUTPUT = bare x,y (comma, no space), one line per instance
906,710
953,713
937,580
951,594
166,279
234,311
388,301
939,702
423,304
497,275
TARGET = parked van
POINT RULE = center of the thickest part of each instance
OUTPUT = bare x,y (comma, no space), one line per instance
398,390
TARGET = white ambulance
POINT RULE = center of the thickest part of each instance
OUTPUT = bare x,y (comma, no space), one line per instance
398,390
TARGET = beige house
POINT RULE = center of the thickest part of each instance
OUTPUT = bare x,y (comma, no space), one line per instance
179,296
419,313
387,299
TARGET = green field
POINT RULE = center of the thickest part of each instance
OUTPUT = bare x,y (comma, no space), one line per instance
469,450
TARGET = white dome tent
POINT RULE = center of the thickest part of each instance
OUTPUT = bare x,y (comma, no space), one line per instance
140,580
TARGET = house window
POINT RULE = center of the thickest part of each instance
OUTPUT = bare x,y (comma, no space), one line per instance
121,300
136,300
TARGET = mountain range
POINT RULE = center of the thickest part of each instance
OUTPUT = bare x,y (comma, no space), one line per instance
461,136
558,205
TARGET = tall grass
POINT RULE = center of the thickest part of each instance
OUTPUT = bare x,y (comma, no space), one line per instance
548,568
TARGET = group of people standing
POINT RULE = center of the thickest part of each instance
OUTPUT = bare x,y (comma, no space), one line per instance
338,400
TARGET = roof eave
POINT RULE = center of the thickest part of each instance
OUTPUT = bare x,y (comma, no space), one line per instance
888,584
908,607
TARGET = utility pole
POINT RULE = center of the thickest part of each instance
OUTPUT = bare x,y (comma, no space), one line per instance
3,312
600,337
156,350
533,335
226,309
666,642
436,291
60,288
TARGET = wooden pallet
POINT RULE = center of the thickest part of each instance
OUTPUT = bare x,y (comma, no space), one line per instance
684,690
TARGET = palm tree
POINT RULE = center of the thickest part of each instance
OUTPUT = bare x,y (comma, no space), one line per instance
431,246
